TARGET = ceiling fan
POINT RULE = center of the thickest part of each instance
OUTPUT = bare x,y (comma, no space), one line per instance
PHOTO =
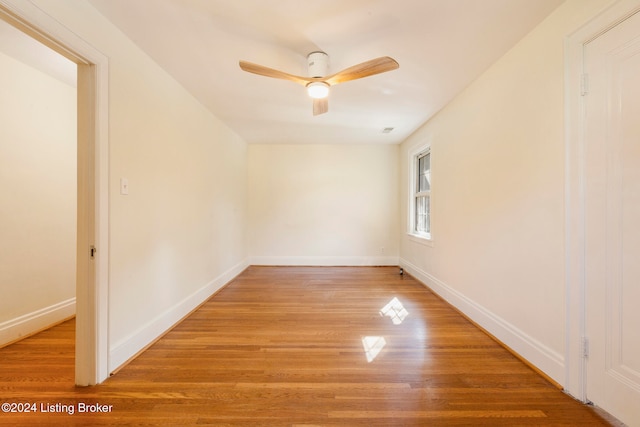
318,83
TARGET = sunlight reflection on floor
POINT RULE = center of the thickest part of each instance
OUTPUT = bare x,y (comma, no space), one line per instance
395,311
372,346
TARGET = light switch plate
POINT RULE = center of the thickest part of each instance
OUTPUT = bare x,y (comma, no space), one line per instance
124,186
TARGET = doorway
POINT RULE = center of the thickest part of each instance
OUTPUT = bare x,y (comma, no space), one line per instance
37,185
92,365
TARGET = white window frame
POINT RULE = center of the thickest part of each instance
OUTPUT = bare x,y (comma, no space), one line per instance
412,232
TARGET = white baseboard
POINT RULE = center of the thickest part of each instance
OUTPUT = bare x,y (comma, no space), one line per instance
327,261
542,357
128,347
30,323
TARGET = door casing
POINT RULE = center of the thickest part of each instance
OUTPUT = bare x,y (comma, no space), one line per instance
92,351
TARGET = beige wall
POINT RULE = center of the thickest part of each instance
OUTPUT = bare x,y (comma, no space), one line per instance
498,195
323,204
179,234
37,199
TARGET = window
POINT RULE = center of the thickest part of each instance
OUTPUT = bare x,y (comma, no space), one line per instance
420,217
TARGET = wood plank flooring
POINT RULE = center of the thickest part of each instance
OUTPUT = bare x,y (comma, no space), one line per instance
298,346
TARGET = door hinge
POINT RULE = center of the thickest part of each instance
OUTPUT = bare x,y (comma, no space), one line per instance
93,252
584,84
585,347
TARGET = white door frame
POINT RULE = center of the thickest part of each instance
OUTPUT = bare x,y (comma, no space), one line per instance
575,174
92,351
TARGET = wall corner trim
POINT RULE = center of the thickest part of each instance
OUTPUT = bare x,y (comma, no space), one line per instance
130,346
36,321
325,261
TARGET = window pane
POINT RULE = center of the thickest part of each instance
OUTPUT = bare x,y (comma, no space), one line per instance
422,214
424,173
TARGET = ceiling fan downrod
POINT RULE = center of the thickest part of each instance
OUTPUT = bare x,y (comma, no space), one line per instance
318,63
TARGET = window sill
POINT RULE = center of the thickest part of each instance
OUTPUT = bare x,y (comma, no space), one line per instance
418,238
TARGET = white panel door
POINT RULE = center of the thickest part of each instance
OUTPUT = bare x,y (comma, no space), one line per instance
612,220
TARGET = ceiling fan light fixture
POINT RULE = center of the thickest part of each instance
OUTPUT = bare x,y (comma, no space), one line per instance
318,83
318,90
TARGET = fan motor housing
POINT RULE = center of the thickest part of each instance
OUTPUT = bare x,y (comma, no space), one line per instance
318,63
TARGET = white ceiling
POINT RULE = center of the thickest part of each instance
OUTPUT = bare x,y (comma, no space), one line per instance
441,45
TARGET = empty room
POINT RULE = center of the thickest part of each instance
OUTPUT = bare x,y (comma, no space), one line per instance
288,213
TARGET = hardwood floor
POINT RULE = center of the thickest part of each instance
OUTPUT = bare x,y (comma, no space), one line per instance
298,346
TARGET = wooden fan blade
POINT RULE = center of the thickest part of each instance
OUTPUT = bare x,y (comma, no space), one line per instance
366,69
276,74
320,106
